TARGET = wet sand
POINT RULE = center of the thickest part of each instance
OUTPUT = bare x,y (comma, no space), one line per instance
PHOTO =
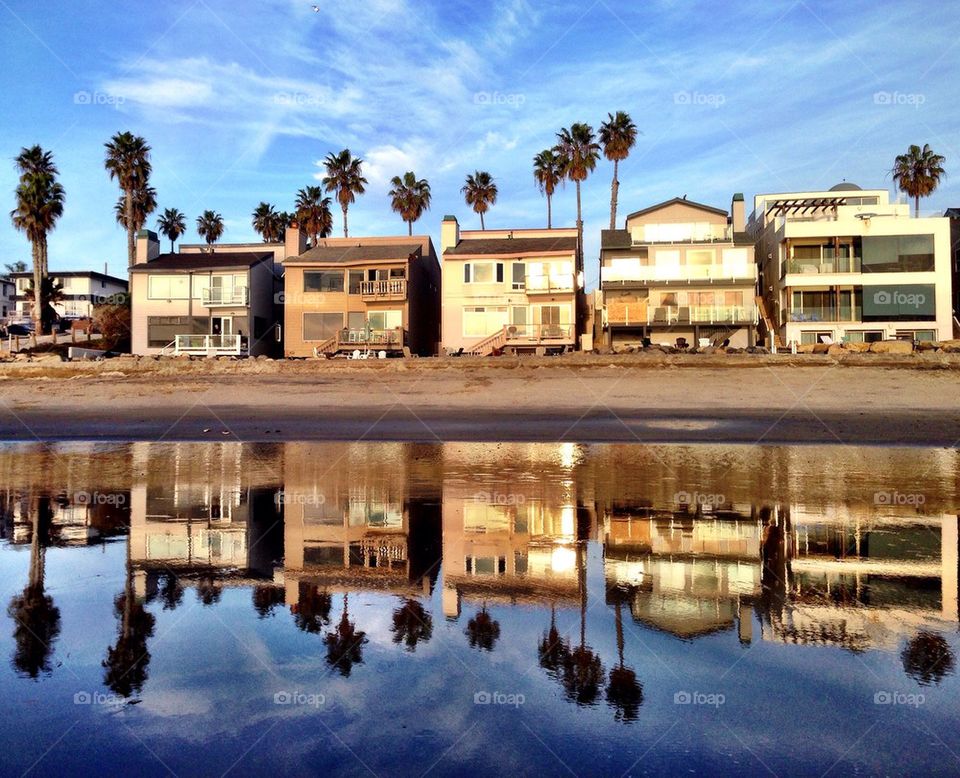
808,400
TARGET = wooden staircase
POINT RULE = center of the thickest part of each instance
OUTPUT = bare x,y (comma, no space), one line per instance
768,322
327,348
489,344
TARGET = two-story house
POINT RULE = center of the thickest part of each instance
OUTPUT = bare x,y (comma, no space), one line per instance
203,301
365,295
80,291
509,290
846,264
8,304
679,271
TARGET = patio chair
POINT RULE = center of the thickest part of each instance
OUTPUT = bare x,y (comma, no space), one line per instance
681,343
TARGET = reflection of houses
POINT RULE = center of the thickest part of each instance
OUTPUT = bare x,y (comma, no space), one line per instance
78,518
352,520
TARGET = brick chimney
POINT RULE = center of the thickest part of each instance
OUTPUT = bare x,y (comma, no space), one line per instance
738,212
449,233
148,247
294,241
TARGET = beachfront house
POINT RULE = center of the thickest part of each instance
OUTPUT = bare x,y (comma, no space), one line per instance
81,290
953,214
510,290
846,264
364,296
679,272
202,300
8,293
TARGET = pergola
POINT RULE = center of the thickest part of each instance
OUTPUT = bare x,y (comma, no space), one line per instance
802,205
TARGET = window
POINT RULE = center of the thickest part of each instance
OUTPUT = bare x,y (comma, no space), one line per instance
499,272
807,338
480,322
898,254
356,320
482,272
385,320
355,280
700,257
168,287
918,335
163,330
320,326
900,302
863,336
518,276
398,272
322,280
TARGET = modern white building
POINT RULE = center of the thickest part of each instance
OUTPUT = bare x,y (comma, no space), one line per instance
846,264
82,290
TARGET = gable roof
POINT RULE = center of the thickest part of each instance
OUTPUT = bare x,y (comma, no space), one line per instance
511,247
337,255
678,201
185,262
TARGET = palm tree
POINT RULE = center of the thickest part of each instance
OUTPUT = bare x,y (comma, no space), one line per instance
312,608
624,692
553,649
172,224
313,213
482,631
480,192
618,134
16,267
582,670
128,161
210,227
918,173
171,592
144,203
39,204
579,153
51,293
410,197
266,597
127,660
548,173
927,658
345,643
208,591
411,624
266,221
345,179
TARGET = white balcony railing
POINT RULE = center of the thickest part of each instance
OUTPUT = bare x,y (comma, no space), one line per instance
677,273
554,282
394,287
208,345
224,296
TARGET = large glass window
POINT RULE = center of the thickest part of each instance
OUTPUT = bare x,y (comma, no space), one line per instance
482,272
163,330
897,253
478,322
320,326
519,275
169,287
900,302
385,320
355,280
322,280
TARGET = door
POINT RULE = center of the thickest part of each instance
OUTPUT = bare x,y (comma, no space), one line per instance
221,325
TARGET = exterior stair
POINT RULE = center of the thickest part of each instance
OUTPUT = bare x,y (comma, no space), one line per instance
768,322
489,344
326,348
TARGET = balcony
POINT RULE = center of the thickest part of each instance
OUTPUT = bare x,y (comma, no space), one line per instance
208,345
824,266
641,275
216,296
644,315
549,284
682,233
826,313
364,340
392,289
518,334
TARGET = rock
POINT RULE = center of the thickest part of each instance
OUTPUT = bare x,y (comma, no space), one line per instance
821,348
927,345
835,350
761,350
805,348
857,348
950,346
891,347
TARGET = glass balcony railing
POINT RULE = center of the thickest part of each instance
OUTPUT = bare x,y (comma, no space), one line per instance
637,273
823,266
216,295
554,282
827,313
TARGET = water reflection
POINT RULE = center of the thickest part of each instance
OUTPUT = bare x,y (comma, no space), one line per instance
565,559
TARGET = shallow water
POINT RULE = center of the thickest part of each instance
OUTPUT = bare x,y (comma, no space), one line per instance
525,609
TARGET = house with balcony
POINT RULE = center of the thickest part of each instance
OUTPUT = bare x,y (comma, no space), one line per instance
846,264
367,295
679,271
510,290
201,301
8,305
81,290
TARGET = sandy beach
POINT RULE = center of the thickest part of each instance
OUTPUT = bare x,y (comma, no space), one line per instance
856,399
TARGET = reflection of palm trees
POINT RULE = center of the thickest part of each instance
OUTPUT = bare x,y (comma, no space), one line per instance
927,658
170,592
411,624
36,618
312,609
553,649
582,670
482,631
266,597
207,590
624,692
345,643
127,661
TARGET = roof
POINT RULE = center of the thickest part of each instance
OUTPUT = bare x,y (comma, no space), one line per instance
341,255
74,274
952,213
615,239
511,247
845,186
185,262
677,201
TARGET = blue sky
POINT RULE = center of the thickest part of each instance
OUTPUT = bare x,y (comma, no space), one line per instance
241,100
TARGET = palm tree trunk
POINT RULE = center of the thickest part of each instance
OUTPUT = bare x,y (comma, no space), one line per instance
410,229
579,231
131,243
916,206
482,226
549,213
614,190
37,251
345,234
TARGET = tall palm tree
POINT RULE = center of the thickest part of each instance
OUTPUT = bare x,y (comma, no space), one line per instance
480,192
483,631
311,611
266,221
172,224
344,177
39,204
411,624
548,173
579,152
313,213
51,293
345,643
144,203
210,227
410,197
583,675
618,134
553,649
624,691
918,173
128,161
127,660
